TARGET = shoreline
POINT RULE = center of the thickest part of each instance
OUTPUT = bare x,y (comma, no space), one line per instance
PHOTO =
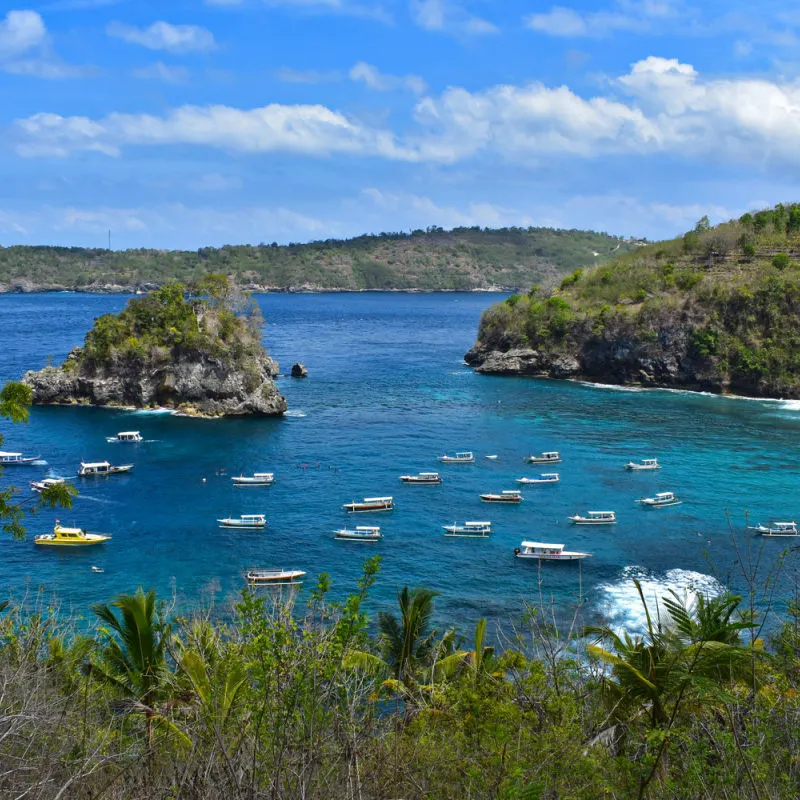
253,289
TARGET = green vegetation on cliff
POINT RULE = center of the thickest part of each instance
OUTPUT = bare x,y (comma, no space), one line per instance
464,258
718,308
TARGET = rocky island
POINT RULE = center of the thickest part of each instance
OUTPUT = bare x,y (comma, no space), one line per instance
717,310
195,348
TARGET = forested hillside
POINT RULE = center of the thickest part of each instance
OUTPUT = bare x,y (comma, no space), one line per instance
435,259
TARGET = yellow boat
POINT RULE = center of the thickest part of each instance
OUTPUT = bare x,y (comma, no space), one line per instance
70,537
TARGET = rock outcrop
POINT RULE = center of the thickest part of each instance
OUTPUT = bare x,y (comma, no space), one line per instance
187,352
299,371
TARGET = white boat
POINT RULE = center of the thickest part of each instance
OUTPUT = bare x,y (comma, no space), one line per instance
776,529
16,459
547,552
470,530
126,436
274,577
363,533
101,468
97,569
370,504
661,500
645,464
491,458
256,479
424,478
547,477
594,518
545,458
46,483
466,457
245,521
506,496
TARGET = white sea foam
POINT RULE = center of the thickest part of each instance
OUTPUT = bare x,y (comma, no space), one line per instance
295,413
620,604
152,411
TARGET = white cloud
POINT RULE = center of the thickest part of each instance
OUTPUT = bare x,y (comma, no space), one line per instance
305,129
215,182
163,36
448,16
367,10
624,15
310,76
374,79
20,32
159,71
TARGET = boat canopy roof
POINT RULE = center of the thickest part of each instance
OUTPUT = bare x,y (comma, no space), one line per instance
600,513
377,499
64,529
540,545
511,491
368,528
784,525
664,495
550,454
6,454
549,475
464,454
429,474
94,464
128,433
263,474
477,524
253,516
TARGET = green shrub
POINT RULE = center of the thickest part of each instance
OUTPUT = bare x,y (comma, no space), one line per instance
572,279
781,261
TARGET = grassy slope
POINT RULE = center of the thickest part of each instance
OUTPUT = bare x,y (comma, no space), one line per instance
724,301
465,258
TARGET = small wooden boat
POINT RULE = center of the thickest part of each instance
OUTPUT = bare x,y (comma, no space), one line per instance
661,500
506,496
97,569
46,483
362,533
245,522
459,458
370,504
776,529
594,518
16,459
547,552
102,469
422,478
545,458
256,479
126,436
70,537
644,465
547,477
491,458
275,577
469,530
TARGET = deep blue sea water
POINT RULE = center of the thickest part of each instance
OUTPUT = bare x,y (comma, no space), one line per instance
387,393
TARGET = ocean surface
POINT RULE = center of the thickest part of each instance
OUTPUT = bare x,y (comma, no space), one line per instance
387,393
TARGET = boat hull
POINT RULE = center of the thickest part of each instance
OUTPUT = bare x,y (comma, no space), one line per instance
511,500
354,538
661,505
563,557
52,543
592,521
359,508
467,534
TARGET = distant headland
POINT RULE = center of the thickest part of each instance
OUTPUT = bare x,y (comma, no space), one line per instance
193,348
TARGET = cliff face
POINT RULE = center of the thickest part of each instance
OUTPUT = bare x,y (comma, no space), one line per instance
200,356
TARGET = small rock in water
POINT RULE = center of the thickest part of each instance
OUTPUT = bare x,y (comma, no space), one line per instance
299,371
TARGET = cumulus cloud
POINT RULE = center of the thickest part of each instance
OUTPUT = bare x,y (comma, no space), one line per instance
20,32
374,79
164,36
624,15
448,17
661,106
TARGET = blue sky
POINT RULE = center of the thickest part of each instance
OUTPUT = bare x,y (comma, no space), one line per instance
185,123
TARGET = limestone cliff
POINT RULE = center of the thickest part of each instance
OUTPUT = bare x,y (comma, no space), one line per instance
196,350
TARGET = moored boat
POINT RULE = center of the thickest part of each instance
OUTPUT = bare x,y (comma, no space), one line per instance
466,457
90,469
542,551
423,478
661,500
594,518
63,536
551,457
362,533
547,477
46,483
126,436
274,577
370,504
469,530
245,521
8,459
256,479
776,529
644,465
506,496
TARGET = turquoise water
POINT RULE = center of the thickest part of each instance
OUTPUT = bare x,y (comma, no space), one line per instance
387,393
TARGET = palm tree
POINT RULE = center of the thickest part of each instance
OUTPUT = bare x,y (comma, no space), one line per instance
478,661
133,659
